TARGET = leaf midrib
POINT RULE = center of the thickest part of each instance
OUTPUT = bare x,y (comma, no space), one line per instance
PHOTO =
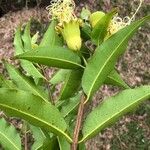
65,85
29,85
14,145
32,65
118,81
110,58
53,59
38,119
119,112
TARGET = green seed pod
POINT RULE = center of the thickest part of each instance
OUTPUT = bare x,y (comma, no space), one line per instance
95,17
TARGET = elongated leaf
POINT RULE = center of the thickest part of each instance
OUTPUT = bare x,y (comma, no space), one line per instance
18,42
100,30
70,105
103,61
59,76
26,65
112,108
31,69
50,37
54,57
23,82
86,32
115,79
33,109
27,38
72,84
51,144
63,144
38,136
9,138
6,83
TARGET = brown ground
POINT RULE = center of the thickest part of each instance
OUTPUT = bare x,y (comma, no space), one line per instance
134,65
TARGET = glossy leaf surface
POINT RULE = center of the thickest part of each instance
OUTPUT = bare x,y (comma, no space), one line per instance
54,57
112,108
105,57
34,110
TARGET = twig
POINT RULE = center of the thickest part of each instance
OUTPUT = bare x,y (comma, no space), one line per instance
48,85
78,124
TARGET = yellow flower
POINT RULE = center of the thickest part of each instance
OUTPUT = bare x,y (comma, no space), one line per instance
69,24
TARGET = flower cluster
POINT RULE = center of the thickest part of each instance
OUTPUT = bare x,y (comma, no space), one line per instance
68,23
62,10
118,23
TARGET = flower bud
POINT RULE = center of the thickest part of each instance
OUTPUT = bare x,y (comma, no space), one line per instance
71,34
95,17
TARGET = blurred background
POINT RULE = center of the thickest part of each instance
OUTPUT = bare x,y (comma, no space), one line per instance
132,132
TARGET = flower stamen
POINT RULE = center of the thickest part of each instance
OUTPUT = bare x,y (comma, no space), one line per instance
62,10
118,23
68,24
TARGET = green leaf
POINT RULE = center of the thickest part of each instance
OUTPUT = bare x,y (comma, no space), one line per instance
115,79
23,82
60,76
51,144
54,57
63,144
34,110
27,38
31,69
18,42
112,108
51,38
100,30
26,65
71,85
82,146
38,136
86,32
6,83
105,57
70,105
9,138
